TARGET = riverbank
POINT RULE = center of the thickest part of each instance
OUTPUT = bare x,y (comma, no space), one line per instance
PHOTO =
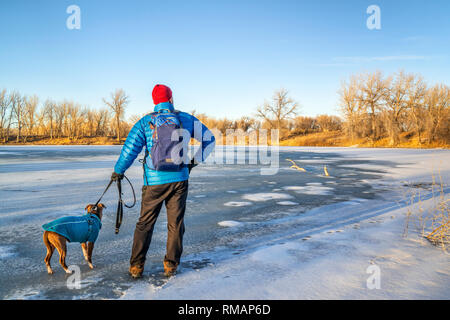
337,139
319,139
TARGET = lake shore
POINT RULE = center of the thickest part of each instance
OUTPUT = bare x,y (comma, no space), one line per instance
321,139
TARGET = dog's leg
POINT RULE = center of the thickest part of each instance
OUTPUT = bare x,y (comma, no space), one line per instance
50,249
62,250
85,250
48,258
90,247
62,259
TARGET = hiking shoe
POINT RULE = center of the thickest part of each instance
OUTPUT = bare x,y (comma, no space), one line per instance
170,268
136,271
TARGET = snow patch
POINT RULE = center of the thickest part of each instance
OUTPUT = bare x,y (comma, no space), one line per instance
356,201
9,152
266,196
280,255
287,203
6,252
313,189
229,223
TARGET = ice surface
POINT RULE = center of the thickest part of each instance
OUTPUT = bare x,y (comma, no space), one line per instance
299,234
328,264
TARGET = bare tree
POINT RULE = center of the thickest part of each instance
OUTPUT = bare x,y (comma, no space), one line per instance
75,119
415,104
60,117
372,91
102,118
49,113
277,113
224,124
396,103
329,123
5,114
41,123
118,103
29,115
437,104
351,106
136,117
245,123
17,102
90,122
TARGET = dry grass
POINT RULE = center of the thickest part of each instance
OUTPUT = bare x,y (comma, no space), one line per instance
68,141
318,139
432,222
338,139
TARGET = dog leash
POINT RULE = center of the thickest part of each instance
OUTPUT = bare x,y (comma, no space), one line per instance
119,213
109,185
121,203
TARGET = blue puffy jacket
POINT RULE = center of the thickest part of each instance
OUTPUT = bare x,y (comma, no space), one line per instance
141,136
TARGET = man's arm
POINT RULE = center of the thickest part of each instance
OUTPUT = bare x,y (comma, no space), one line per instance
131,149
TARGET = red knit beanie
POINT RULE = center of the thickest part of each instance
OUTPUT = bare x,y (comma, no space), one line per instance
161,93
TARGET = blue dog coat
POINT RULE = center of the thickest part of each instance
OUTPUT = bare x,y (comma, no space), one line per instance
76,229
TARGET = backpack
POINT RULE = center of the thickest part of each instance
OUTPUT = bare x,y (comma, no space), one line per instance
164,124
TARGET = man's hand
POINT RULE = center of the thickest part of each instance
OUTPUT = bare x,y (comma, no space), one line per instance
116,176
192,165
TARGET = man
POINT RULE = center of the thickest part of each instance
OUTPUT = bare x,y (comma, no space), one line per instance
161,186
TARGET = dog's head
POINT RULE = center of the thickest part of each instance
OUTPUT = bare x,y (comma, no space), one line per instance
97,210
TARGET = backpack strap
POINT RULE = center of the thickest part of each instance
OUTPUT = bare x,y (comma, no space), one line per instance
177,113
144,163
154,114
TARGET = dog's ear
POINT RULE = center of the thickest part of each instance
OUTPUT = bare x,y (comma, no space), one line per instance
101,205
88,208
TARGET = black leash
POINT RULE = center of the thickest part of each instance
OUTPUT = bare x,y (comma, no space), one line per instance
119,213
109,185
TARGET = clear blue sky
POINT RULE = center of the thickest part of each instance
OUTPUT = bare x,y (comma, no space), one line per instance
222,58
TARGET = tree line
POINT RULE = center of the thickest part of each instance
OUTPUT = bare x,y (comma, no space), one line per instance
281,113
372,107
22,118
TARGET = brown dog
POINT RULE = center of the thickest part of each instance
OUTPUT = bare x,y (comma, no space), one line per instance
82,229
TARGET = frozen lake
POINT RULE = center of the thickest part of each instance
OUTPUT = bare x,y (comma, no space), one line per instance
231,209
